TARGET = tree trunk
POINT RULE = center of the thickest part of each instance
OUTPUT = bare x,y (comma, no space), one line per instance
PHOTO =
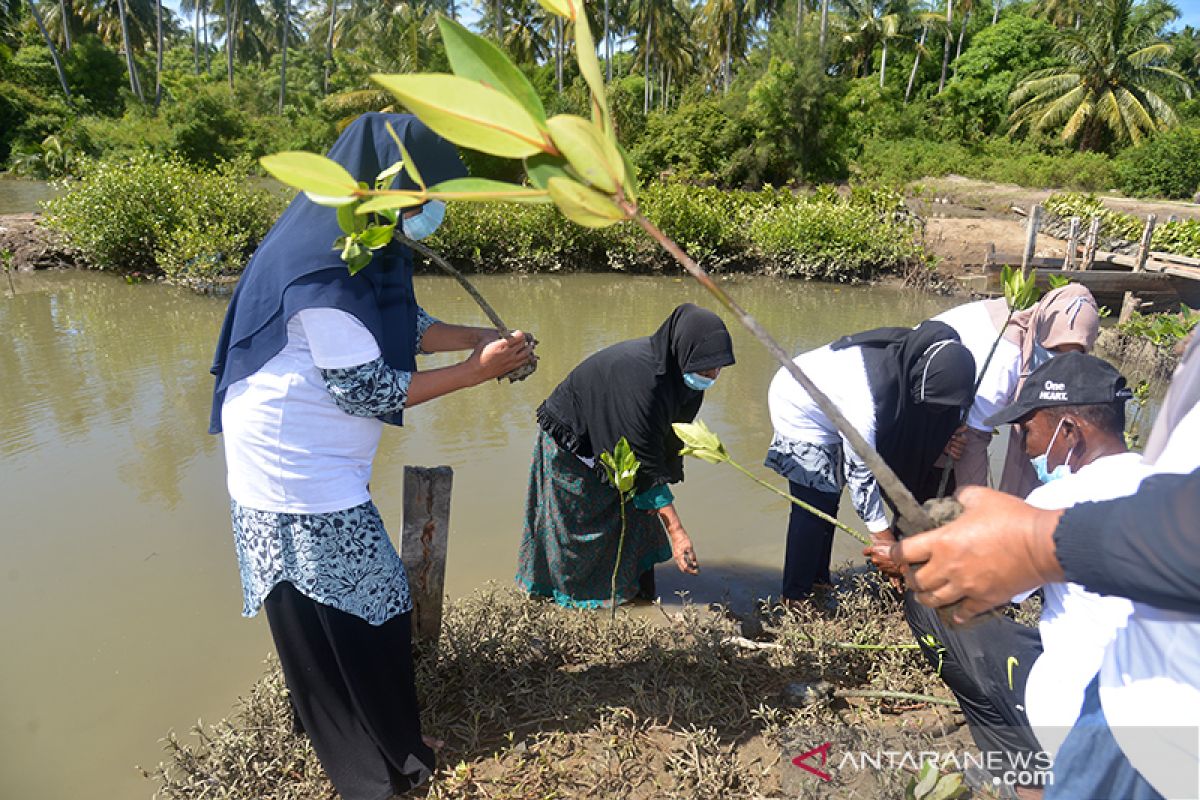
962,32
207,40
883,63
134,84
607,45
559,51
453,11
158,53
824,28
667,91
196,38
729,55
229,43
799,18
646,70
996,5
329,43
912,76
64,7
949,40
283,35
58,67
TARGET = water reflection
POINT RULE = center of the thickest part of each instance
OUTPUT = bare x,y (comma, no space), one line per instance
117,574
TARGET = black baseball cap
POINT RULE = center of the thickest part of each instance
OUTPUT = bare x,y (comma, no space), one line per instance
1071,379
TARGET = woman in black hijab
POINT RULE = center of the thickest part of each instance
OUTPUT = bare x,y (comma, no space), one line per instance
634,389
310,364
903,389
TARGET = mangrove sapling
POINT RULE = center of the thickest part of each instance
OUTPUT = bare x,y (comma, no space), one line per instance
622,467
702,443
577,164
1020,293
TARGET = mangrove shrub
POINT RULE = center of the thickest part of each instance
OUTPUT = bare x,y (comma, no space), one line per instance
157,214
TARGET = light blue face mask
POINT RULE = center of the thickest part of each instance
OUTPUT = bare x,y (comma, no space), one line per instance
695,380
1039,463
426,221
1040,356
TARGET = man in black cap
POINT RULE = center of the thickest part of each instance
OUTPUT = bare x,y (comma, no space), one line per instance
1021,692
1072,412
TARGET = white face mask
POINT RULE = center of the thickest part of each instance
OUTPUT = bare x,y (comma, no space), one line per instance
425,221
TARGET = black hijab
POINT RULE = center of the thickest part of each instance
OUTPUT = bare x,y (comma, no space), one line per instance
921,379
635,389
296,266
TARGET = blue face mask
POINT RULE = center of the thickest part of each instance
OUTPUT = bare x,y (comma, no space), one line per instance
1039,463
1040,356
426,221
695,380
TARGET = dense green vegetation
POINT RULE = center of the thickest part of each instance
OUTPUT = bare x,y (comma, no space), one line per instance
1089,96
1178,236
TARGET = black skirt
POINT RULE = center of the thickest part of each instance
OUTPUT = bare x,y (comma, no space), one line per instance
353,689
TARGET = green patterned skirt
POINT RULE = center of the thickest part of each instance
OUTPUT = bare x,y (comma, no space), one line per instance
572,529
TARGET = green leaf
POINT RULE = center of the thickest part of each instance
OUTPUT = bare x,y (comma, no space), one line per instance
622,466
474,57
468,113
486,189
331,202
1057,281
542,167
384,202
700,442
927,778
384,179
377,236
310,172
348,221
562,8
630,183
588,151
949,787
589,66
582,205
410,166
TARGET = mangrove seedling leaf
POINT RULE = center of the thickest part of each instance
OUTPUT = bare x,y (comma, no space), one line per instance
312,174
487,189
630,184
392,200
700,442
582,205
468,113
410,166
1057,281
384,179
950,787
376,236
563,8
589,152
622,466
589,67
542,167
348,221
927,778
474,57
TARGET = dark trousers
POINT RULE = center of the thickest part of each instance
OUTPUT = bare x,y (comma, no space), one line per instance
809,542
985,664
352,687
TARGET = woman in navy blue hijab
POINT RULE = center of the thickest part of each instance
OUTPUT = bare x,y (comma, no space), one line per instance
311,363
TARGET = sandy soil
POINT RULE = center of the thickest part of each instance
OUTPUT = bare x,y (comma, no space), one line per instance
963,217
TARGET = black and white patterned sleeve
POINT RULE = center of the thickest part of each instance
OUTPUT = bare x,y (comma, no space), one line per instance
864,491
368,390
424,322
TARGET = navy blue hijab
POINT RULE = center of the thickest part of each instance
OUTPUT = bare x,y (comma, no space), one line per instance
296,266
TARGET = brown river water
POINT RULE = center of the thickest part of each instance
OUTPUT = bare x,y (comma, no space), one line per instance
119,595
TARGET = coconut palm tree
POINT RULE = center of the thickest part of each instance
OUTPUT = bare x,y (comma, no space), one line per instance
725,30
871,23
58,67
1062,13
1115,68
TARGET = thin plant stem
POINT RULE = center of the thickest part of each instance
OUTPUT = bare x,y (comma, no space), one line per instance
816,512
914,518
11,286
884,694
617,565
